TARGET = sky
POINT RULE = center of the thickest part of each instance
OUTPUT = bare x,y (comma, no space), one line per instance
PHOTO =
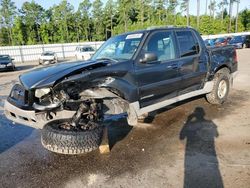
48,3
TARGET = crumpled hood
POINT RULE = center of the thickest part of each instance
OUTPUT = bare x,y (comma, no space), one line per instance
47,76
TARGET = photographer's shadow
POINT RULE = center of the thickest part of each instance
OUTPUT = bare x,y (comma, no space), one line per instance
201,163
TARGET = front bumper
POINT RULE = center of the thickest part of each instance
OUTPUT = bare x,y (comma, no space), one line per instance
6,68
25,117
32,118
47,60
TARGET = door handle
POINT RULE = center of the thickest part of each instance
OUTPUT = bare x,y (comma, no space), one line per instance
173,66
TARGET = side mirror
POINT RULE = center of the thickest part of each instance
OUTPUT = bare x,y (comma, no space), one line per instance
12,59
149,57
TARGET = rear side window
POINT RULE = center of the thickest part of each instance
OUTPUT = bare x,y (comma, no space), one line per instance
188,43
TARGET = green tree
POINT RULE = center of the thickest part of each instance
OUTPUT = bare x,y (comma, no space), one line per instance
7,13
109,16
124,9
61,18
245,19
32,13
98,27
237,15
185,7
84,21
198,14
222,9
19,31
172,11
212,8
231,2
4,36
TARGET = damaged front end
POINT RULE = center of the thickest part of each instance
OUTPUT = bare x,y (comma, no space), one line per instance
85,104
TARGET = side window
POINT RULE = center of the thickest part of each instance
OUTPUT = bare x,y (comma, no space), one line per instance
162,45
187,43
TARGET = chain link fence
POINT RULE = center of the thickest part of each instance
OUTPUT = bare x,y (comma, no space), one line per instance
32,52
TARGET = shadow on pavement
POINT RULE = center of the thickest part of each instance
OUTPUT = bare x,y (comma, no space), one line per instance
25,67
117,132
10,134
151,116
201,163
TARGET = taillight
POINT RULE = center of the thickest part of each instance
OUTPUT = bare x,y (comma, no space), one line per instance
235,56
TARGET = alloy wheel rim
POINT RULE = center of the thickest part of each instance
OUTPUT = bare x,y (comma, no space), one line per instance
222,89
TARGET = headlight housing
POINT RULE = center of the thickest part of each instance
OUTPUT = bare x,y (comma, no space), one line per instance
9,64
41,92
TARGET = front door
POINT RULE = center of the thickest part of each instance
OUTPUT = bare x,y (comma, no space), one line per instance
158,79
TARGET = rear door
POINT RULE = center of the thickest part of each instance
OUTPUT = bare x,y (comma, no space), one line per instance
193,61
158,80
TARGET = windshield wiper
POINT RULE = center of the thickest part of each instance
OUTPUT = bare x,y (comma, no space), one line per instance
107,58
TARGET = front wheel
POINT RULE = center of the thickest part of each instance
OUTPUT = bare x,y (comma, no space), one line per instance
57,138
221,87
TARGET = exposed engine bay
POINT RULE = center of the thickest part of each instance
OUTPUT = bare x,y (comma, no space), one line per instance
88,105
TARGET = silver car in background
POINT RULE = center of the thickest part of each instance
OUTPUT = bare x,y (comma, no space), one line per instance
84,52
48,58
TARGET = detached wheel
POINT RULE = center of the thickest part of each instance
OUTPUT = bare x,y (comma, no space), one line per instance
221,87
59,140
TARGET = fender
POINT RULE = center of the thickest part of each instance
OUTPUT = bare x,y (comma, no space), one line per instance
127,90
117,77
221,58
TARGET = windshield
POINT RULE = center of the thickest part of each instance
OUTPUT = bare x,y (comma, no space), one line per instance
87,49
118,48
4,58
48,53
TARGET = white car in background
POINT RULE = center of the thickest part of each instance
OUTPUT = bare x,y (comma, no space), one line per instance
48,58
84,52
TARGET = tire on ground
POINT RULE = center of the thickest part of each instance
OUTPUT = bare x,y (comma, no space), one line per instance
64,141
213,97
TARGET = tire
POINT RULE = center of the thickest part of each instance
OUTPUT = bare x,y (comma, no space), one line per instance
64,141
221,87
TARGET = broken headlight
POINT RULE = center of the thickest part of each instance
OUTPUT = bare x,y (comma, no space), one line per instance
41,92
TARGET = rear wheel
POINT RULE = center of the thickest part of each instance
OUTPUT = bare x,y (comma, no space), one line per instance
221,87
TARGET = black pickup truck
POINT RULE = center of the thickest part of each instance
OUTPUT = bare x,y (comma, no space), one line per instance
133,73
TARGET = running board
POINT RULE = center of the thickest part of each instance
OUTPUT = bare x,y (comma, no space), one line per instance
140,111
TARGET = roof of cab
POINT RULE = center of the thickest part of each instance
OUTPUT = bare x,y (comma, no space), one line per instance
155,28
